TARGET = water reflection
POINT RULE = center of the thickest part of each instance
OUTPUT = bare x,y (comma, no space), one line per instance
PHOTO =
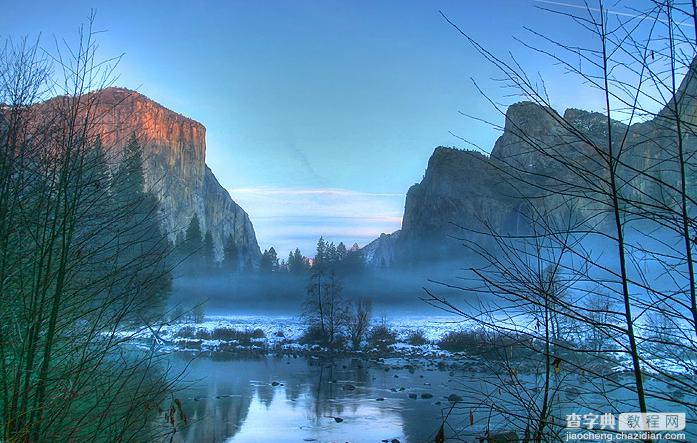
233,399
277,399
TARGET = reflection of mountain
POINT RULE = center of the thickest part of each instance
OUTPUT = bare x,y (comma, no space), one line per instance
218,404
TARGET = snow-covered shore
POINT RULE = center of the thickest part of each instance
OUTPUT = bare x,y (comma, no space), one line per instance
256,333
284,334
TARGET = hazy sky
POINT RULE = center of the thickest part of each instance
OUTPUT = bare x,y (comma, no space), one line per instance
319,114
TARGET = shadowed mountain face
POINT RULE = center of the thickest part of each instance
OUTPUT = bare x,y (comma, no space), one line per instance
381,251
174,153
536,160
460,192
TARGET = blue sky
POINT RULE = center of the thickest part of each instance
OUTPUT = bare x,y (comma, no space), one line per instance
319,114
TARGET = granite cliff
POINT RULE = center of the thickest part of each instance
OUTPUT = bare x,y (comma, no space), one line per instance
460,192
174,152
464,192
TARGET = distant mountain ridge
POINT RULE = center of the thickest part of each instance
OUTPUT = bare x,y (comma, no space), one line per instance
465,191
381,252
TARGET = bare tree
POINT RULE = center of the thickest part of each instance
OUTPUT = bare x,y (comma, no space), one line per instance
610,219
325,307
358,320
78,264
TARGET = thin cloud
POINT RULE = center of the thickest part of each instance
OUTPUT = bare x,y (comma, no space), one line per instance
384,219
295,217
309,191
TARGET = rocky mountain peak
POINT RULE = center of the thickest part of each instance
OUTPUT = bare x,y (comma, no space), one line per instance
174,152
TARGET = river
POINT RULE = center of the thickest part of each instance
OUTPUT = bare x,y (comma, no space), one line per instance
229,398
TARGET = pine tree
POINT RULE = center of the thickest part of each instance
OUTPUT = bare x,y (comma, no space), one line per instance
231,255
94,183
296,262
269,261
96,170
341,252
192,249
331,256
274,259
95,211
320,254
129,179
142,245
194,241
208,252
353,263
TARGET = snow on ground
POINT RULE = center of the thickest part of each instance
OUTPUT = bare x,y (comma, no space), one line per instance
293,327
434,327
284,331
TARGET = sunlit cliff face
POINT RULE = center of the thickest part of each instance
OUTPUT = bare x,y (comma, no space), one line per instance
181,141
174,154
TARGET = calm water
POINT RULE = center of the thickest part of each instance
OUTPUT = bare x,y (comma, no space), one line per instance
279,399
234,399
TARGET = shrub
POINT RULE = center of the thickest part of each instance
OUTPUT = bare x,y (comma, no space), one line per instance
460,341
193,332
230,334
486,344
417,338
313,335
257,333
340,342
381,337
186,332
225,334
